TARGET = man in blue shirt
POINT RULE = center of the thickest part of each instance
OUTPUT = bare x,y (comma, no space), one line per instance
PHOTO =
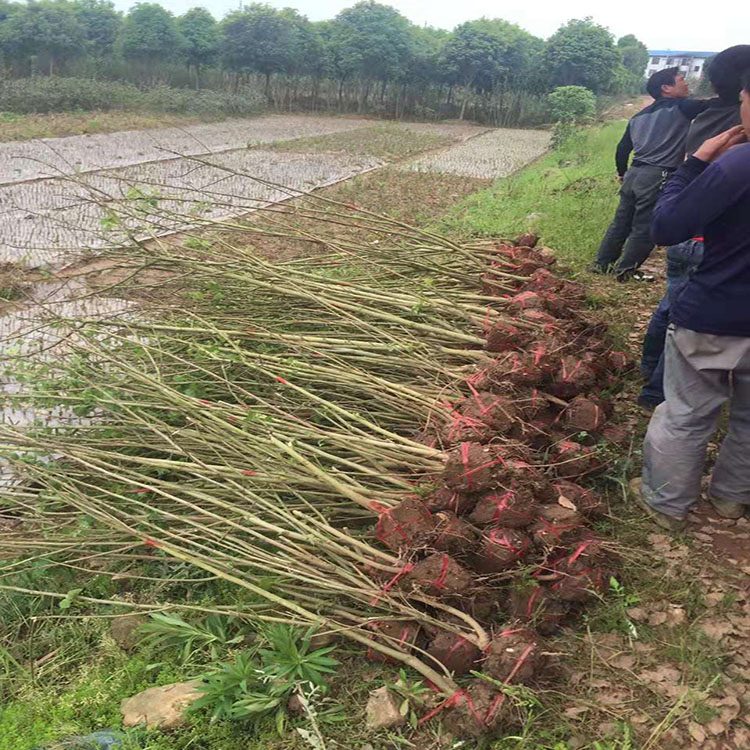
656,135
707,354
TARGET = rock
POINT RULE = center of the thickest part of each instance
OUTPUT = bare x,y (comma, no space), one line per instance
160,707
382,710
124,631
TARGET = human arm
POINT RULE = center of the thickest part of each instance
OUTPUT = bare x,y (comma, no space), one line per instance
691,108
622,154
699,192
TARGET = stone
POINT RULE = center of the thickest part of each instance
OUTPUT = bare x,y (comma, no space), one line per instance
124,631
382,710
160,707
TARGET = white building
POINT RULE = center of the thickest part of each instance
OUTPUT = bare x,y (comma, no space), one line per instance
690,63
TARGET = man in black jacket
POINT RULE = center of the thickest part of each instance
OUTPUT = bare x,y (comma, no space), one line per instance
656,135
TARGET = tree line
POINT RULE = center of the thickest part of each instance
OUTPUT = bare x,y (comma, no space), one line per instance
369,57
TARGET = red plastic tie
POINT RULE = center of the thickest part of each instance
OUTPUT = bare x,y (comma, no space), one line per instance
440,582
388,586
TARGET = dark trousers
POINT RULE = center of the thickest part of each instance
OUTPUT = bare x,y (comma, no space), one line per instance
682,260
627,242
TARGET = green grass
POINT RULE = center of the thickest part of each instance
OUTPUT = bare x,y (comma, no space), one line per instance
384,141
568,196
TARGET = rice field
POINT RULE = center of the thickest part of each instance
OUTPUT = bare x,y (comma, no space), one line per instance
47,223
51,157
497,153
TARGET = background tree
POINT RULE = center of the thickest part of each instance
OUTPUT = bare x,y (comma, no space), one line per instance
150,35
371,42
258,39
634,54
101,24
582,53
47,31
485,55
200,34
8,9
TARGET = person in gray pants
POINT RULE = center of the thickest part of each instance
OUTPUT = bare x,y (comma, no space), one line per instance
707,353
656,135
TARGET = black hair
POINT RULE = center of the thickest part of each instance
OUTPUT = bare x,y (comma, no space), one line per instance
746,81
661,78
725,72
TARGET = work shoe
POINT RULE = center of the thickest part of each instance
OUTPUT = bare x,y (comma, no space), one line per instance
670,523
625,276
726,508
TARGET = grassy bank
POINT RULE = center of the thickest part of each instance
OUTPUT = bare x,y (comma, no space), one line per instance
63,673
568,196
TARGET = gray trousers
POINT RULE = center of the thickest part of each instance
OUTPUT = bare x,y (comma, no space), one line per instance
702,372
631,227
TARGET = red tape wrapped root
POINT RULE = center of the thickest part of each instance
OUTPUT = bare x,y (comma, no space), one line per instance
502,549
455,653
409,524
512,508
533,604
439,575
401,635
453,535
571,459
585,414
514,656
470,467
584,501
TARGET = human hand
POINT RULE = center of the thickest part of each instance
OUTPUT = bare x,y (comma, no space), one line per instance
618,179
714,147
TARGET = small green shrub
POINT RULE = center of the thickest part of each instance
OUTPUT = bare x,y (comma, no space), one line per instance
54,94
572,104
261,681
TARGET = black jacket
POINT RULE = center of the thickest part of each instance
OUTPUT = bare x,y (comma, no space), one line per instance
657,134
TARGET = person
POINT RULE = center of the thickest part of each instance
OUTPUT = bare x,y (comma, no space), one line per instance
707,352
656,135
722,113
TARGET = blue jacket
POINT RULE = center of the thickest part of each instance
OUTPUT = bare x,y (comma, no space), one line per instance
713,201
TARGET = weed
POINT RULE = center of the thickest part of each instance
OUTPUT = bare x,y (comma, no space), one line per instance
215,634
260,681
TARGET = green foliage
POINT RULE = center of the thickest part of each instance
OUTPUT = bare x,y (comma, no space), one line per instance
150,34
634,54
369,40
572,104
200,34
582,53
212,635
259,39
47,30
101,24
261,681
52,94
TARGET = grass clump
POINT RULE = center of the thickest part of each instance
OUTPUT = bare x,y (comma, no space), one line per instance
387,142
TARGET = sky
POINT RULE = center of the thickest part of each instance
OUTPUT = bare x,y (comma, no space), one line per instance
660,25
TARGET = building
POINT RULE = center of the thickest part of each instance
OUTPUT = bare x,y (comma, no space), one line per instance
691,64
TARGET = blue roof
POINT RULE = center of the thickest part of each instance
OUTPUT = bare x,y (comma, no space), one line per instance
678,53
